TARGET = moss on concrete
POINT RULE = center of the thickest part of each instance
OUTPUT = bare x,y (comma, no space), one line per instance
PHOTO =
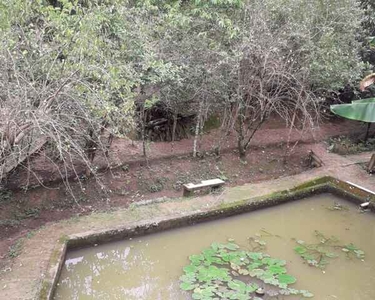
56,261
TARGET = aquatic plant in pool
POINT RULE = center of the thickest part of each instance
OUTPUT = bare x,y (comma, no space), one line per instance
319,254
224,271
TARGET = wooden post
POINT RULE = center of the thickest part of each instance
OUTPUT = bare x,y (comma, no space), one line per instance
371,164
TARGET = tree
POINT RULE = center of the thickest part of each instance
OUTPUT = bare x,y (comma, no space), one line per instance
74,72
69,73
300,49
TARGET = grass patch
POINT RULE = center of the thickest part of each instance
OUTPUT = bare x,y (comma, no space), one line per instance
5,195
27,213
16,249
9,223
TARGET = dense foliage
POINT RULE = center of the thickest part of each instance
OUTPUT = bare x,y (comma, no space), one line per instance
75,71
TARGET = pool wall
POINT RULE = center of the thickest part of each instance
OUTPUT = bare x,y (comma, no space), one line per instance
327,184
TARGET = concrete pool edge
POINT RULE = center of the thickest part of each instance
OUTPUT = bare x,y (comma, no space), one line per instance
319,185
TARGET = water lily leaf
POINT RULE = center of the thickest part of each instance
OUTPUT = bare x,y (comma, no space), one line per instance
285,292
243,297
256,272
237,285
190,269
186,286
308,257
234,266
231,246
252,287
196,259
271,280
215,246
255,255
287,279
243,272
306,294
275,269
300,249
293,291
273,261
255,265
190,277
220,271
208,252
351,247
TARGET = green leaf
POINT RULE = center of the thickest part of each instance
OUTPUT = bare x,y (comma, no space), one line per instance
300,249
287,279
196,259
190,268
255,255
367,100
225,272
186,286
364,112
275,269
231,246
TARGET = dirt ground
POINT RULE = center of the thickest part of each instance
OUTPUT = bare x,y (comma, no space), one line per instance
167,169
25,211
23,276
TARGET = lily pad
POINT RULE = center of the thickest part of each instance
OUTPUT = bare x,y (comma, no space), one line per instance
286,279
224,271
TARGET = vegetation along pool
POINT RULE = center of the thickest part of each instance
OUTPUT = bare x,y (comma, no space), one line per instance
321,248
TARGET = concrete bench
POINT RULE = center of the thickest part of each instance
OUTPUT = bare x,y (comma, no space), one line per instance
189,188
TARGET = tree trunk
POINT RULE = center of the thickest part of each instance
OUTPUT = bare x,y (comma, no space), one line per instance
197,130
143,131
174,129
109,144
241,150
241,138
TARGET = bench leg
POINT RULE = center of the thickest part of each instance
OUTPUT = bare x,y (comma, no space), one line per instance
187,193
